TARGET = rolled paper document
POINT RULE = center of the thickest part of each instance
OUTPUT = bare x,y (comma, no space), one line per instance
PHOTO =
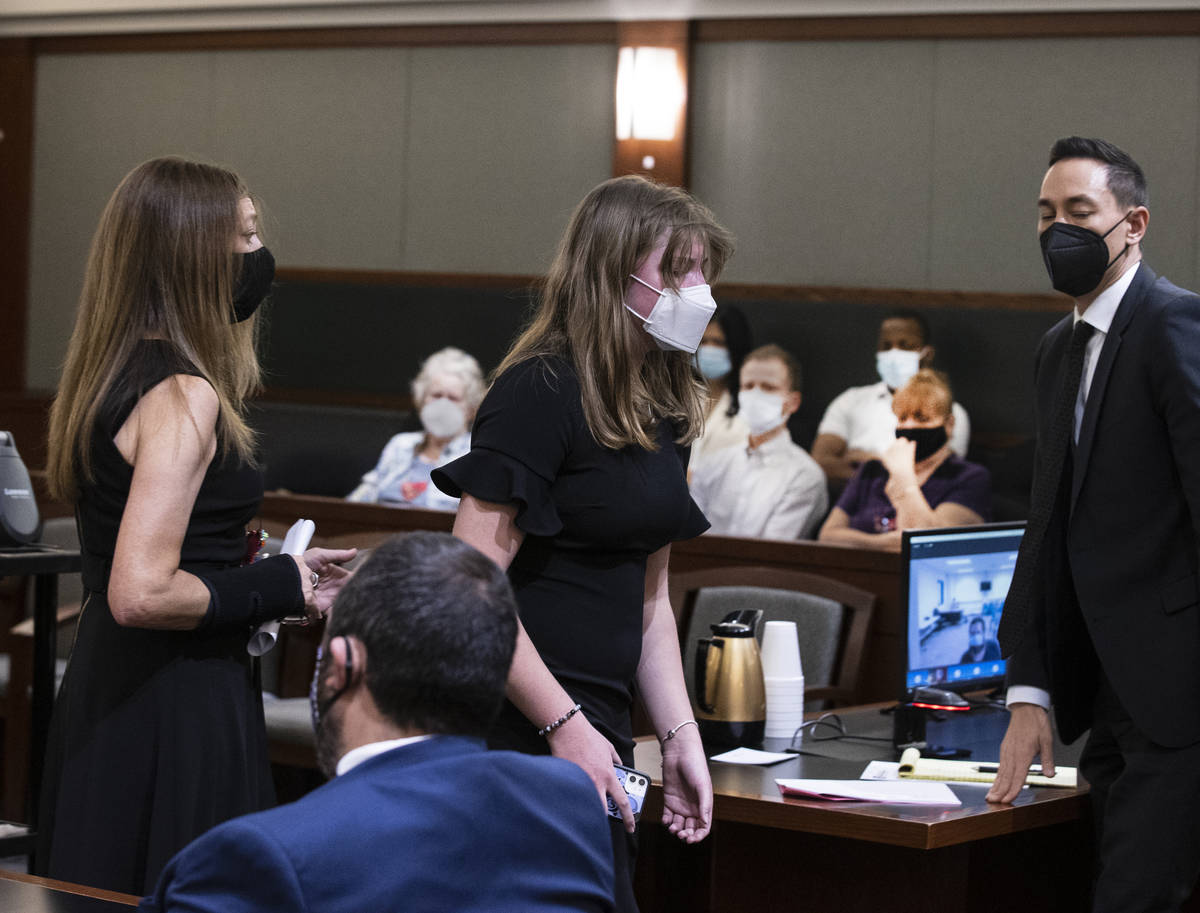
294,543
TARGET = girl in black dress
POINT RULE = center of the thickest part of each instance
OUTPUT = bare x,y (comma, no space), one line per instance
158,731
575,483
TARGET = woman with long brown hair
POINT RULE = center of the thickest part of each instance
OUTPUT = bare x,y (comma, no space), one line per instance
575,484
158,731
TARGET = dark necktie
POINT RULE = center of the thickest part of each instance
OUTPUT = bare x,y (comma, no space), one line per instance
1053,453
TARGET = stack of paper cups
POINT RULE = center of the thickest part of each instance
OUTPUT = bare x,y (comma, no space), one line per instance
784,679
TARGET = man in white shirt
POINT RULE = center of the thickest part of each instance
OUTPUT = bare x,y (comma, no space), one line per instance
419,815
769,488
859,424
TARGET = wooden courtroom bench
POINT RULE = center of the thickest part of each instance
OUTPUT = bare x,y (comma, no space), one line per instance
876,572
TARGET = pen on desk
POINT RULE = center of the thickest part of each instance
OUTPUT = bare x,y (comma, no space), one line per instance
995,768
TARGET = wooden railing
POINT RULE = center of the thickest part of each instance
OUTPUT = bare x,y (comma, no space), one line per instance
877,572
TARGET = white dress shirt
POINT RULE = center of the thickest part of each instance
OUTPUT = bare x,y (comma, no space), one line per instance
775,491
721,431
863,418
355,756
1099,315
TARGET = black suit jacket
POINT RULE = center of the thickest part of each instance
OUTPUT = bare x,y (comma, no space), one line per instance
1120,559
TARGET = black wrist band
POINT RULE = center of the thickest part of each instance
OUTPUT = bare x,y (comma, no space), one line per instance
248,596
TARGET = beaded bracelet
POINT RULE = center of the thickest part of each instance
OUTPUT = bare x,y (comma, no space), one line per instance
550,727
671,732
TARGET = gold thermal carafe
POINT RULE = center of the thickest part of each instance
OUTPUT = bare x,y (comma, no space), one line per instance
731,700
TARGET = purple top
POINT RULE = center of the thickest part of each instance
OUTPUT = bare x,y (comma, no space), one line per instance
956,481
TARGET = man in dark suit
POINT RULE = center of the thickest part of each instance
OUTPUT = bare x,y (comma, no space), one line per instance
420,816
1103,614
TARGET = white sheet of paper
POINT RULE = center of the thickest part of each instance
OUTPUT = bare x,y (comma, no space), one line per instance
881,770
296,541
752,756
902,792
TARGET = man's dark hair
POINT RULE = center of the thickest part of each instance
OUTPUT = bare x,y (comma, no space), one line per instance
790,362
439,624
1126,181
916,317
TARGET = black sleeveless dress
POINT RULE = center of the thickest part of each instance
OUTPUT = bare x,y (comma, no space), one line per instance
157,735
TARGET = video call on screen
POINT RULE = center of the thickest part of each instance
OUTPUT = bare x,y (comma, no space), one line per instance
956,588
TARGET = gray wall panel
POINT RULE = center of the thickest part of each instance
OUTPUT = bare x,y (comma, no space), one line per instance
1001,104
96,117
505,142
917,164
439,159
319,136
879,164
816,156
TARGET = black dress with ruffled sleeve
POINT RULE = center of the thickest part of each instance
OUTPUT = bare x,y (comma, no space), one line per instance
591,516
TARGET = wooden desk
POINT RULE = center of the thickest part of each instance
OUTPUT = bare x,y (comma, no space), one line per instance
31,894
767,853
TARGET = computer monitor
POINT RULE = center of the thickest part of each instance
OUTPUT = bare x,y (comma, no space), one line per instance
955,581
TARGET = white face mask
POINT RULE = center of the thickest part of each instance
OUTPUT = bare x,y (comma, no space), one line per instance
762,411
443,417
679,318
897,366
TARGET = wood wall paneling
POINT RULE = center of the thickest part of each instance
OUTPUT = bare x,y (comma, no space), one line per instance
953,25
731,291
796,28
16,169
388,37
670,157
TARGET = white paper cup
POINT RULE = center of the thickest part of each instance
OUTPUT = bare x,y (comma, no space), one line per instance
785,705
781,650
792,686
784,732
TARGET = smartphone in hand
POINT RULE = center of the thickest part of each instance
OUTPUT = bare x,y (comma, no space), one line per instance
635,784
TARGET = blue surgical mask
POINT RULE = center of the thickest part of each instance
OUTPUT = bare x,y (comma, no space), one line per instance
713,362
897,366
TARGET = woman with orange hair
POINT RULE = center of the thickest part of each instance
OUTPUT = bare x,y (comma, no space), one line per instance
919,483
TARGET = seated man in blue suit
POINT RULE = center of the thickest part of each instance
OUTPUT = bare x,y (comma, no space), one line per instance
419,816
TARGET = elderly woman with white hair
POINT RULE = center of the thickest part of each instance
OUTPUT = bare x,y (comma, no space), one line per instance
447,392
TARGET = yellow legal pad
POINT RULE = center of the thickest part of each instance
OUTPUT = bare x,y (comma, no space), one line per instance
915,767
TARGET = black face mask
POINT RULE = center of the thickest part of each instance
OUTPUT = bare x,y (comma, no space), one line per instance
1077,258
253,283
928,440
320,708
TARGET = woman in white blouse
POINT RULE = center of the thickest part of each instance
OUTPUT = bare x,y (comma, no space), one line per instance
447,392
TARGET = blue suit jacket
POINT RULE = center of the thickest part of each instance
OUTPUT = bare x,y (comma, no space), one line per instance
1122,554
438,825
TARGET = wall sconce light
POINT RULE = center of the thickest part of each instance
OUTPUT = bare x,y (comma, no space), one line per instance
650,93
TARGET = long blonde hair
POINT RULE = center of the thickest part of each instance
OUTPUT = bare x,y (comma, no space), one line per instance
162,265
581,309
